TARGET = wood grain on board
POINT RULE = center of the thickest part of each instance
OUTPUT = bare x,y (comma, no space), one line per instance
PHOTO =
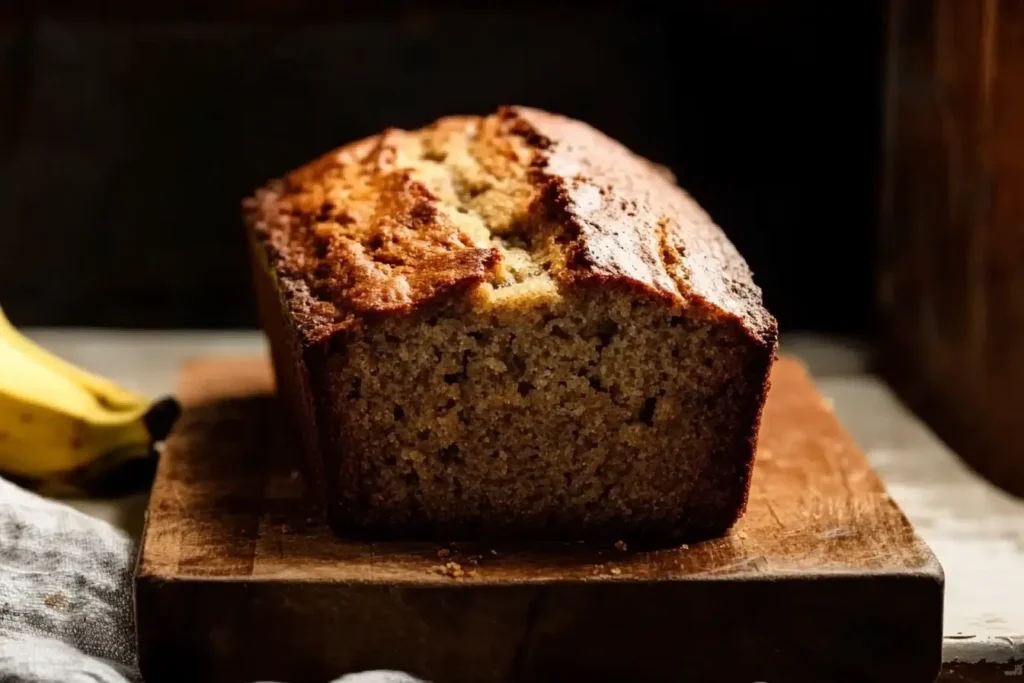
951,279
238,580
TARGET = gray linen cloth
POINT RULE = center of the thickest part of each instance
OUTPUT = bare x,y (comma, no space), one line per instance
66,613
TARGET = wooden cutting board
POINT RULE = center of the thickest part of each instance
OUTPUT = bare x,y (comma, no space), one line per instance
822,580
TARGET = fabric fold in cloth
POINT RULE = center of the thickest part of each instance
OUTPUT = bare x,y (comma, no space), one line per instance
66,609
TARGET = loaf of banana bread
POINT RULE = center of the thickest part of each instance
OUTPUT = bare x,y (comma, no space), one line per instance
510,326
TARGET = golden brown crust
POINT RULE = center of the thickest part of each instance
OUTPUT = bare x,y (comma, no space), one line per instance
385,225
630,222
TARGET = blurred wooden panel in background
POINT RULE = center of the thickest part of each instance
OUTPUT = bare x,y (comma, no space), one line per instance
952,234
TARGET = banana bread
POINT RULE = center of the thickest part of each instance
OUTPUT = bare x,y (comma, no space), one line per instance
510,326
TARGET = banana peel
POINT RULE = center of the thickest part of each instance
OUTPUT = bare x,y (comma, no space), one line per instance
65,431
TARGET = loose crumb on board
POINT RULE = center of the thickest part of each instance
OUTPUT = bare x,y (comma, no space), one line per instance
621,545
453,570
616,571
465,567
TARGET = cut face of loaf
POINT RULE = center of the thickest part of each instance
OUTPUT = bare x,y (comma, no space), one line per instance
510,326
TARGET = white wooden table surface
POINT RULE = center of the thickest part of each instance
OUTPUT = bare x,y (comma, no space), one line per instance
976,530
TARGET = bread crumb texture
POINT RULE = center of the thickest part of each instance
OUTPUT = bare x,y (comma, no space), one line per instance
528,329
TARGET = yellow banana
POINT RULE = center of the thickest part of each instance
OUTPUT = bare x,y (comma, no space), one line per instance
58,421
105,391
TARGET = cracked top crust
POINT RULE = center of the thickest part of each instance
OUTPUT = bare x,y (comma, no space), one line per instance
389,223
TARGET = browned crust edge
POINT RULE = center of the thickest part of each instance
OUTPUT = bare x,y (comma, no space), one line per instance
624,222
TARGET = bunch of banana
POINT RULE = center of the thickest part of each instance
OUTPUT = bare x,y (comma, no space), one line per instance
63,428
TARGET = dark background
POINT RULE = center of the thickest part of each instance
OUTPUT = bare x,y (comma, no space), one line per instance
128,141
